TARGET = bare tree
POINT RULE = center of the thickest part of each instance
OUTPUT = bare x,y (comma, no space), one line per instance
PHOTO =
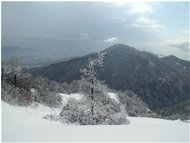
15,82
89,76
96,106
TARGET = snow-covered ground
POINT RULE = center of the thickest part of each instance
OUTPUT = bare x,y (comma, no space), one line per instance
65,97
26,124
113,96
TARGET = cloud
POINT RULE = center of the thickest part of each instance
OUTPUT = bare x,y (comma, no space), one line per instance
148,23
178,46
133,7
111,40
180,43
84,36
118,4
119,18
185,31
38,36
48,36
141,8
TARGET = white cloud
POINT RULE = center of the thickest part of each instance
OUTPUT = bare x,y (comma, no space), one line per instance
181,43
48,36
175,46
140,8
178,46
119,18
148,23
123,19
185,31
41,36
111,40
84,36
116,18
118,4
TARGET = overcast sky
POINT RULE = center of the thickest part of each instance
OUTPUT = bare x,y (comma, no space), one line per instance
160,28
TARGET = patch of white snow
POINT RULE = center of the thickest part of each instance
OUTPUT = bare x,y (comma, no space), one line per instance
65,97
114,96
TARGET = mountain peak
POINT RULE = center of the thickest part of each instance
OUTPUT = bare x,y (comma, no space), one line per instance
120,46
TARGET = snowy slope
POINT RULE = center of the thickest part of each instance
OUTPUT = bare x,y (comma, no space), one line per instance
65,97
78,96
26,124
113,96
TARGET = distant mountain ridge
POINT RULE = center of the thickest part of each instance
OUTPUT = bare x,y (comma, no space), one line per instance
178,111
159,82
35,57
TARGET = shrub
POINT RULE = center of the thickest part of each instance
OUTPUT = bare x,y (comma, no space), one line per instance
134,105
105,112
17,84
45,94
15,95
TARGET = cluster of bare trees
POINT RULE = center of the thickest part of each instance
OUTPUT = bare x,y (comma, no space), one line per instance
15,82
13,73
19,87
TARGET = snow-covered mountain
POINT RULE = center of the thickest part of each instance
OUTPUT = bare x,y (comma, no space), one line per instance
159,82
28,124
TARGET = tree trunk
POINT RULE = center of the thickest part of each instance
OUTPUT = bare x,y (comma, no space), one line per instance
92,96
15,80
2,74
